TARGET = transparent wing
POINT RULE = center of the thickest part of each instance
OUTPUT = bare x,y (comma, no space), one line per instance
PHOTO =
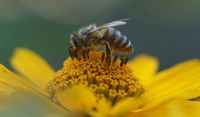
111,24
114,23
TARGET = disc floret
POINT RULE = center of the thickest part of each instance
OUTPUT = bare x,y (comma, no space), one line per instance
113,82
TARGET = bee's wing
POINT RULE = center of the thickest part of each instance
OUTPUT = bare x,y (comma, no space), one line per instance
110,24
114,23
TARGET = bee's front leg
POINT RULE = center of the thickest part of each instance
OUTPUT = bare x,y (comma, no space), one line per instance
108,53
73,52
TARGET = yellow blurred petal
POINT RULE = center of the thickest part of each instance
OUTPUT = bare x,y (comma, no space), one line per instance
184,109
10,80
21,100
177,69
5,89
11,84
32,66
144,67
103,107
77,98
177,108
123,107
181,81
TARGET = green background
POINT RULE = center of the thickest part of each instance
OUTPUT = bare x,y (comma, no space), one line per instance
168,29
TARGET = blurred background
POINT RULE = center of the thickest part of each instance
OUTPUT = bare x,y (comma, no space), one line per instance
168,29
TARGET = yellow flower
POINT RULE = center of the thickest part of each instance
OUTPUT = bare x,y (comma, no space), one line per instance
89,87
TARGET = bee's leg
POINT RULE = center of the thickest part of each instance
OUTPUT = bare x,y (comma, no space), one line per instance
115,59
87,53
84,54
76,42
126,60
108,54
72,52
103,56
122,61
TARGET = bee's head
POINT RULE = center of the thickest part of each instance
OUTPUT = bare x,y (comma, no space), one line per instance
81,39
75,40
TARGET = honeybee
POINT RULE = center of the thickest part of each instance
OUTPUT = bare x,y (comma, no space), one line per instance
105,37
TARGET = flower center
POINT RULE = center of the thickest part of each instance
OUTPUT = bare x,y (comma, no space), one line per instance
112,82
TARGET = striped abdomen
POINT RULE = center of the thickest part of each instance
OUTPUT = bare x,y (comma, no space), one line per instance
118,42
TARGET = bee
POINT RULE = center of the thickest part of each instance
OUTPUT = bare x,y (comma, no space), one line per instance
105,37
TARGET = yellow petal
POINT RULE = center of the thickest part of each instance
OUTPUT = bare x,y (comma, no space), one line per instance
11,84
10,80
184,108
20,100
5,89
123,107
144,67
181,81
32,66
78,99
103,107
177,108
